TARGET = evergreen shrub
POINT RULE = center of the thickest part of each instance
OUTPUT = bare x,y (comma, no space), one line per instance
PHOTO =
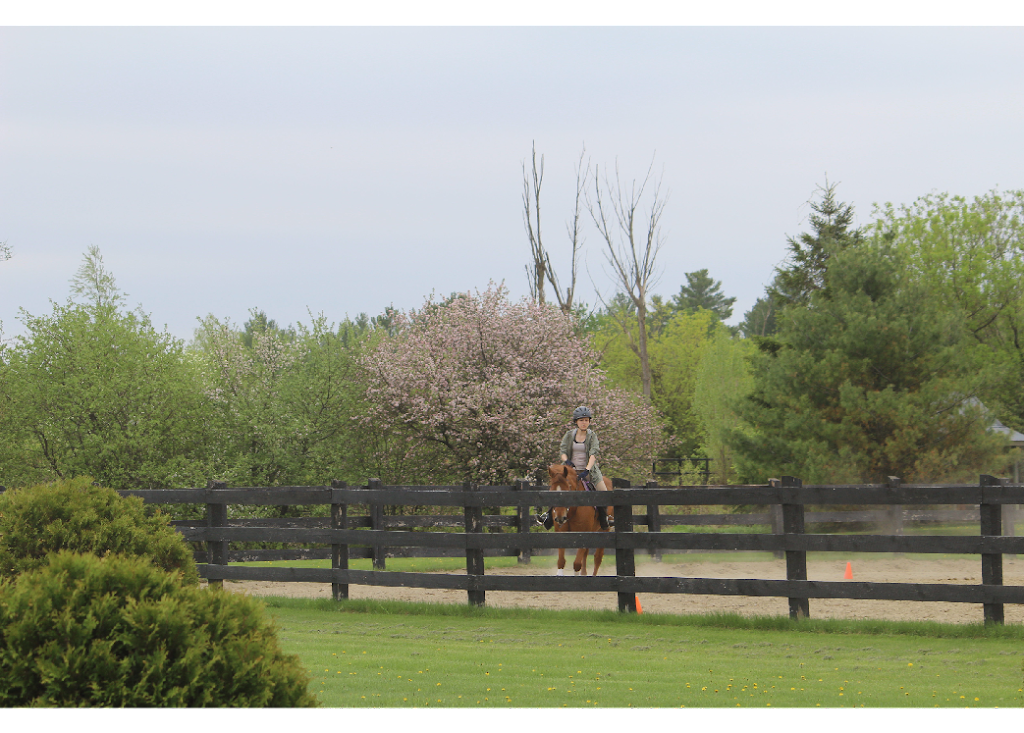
84,631
75,515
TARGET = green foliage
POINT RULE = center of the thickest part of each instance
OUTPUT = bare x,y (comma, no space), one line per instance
94,284
284,400
90,389
970,254
675,352
760,319
259,323
117,632
811,253
703,292
868,380
722,380
77,516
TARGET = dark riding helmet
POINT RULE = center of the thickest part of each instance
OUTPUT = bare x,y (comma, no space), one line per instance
581,411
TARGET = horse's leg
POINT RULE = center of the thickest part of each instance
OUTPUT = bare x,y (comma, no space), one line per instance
579,565
598,557
561,560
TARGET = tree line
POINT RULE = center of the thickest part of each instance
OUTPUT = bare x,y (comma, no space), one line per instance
886,349
473,387
883,350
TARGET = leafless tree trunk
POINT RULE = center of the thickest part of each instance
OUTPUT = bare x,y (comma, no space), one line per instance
536,271
540,270
631,255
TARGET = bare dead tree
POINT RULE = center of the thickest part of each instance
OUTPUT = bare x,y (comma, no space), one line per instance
541,270
632,255
575,231
536,271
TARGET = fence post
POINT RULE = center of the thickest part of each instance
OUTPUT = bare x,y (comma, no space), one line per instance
216,516
523,523
474,556
1014,510
991,564
796,560
896,511
775,512
654,522
625,562
339,552
377,523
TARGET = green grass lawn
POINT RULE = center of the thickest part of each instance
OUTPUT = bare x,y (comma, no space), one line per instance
389,654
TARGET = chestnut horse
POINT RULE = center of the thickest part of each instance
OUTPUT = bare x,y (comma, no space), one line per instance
575,518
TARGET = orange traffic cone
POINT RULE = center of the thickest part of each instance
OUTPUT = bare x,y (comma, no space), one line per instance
638,608
848,575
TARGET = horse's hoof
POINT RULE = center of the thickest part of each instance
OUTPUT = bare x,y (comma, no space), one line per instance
560,572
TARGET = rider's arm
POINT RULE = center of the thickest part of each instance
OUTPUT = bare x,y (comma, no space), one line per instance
566,446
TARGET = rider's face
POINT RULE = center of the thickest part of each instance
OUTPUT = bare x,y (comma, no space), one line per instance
583,423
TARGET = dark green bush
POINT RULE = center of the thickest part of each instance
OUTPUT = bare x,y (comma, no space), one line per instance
84,631
75,515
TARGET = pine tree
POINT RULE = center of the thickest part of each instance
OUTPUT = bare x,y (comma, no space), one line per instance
810,253
869,380
703,291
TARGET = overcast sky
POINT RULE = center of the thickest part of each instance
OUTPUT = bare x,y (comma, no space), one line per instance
342,170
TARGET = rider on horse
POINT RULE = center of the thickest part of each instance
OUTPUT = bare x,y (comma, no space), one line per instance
579,449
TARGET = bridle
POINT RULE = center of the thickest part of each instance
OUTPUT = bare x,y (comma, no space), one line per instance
560,515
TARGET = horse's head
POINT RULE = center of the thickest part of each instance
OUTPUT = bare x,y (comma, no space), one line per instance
562,478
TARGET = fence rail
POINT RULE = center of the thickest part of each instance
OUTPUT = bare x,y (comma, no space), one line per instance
377,536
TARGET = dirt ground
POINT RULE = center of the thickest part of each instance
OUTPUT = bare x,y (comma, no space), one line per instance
881,570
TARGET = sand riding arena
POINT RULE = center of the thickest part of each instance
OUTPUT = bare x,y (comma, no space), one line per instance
887,570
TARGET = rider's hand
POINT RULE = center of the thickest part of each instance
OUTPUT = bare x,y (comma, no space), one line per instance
583,473
569,463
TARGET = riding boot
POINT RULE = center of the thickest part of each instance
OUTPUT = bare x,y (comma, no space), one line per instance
549,519
602,516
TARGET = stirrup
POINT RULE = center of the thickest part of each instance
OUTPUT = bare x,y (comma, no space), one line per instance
540,519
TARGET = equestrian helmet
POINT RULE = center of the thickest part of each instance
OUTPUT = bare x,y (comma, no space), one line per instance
582,411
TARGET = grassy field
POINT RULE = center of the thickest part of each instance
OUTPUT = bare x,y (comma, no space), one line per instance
377,654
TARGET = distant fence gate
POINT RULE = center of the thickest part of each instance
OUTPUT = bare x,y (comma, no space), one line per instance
345,536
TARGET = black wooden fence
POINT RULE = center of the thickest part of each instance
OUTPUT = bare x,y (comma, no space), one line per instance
376,536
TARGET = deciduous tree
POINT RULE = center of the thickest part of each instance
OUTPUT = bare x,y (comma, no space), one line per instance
540,270
481,389
970,253
722,381
631,253
284,400
90,389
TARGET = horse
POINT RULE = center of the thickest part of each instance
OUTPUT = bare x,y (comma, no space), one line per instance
576,518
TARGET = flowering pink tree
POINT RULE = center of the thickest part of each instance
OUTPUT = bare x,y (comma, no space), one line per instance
482,389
